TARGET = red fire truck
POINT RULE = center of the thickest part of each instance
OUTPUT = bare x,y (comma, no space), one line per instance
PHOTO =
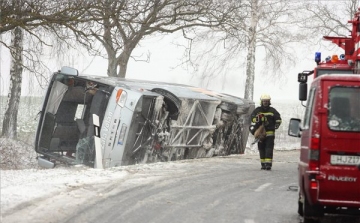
329,166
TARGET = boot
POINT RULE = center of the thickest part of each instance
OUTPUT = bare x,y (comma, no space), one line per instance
268,166
263,167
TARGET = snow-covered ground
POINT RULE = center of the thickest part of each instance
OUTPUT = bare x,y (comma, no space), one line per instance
21,187
32,189
28,182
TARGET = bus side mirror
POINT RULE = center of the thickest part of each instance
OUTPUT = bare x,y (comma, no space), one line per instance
303,91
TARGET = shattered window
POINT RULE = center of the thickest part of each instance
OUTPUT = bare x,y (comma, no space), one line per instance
344,109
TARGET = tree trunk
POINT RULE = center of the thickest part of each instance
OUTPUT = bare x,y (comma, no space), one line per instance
112,66
123,62
12,107
250,58
250,71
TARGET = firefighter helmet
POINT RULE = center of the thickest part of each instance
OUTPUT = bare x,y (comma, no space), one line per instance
265,97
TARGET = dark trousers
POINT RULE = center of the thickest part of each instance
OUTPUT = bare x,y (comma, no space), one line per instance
266,148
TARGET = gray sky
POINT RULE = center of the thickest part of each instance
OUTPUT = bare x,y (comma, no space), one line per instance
163,66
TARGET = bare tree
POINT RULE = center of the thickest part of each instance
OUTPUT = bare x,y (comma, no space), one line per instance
10,118
282,23
272,28
259,25
121,25
327,19
31,19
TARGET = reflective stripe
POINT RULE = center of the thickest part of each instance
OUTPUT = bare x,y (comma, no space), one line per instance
270,133
262,160
268,160
267,113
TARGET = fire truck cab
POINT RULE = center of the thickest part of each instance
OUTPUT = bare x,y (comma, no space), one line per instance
329,166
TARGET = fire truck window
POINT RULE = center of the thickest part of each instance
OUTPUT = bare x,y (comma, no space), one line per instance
309,108
343,112
340,107
320,72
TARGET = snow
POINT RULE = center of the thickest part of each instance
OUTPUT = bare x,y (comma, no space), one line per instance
20,186
30,183
69,185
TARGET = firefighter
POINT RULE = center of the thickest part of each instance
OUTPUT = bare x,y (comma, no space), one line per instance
270,118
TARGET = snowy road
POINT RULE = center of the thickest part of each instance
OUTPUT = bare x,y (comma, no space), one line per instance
215,191
221,189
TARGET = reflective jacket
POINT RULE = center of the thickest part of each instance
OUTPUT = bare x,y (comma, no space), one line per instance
272,119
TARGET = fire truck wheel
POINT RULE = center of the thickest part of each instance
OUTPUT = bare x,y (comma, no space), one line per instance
311,213
300,207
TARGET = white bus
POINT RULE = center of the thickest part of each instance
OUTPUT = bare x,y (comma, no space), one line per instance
105,122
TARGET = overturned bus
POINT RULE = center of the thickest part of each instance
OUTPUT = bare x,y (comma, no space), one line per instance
105,122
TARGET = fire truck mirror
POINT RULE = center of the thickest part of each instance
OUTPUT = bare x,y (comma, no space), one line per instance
303,91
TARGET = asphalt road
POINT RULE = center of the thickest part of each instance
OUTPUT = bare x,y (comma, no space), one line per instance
212,190
223,189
